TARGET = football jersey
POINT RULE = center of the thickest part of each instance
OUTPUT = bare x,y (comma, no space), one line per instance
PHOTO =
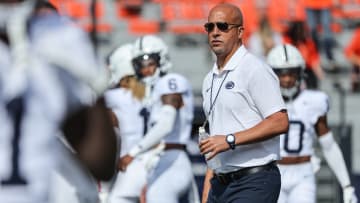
30,119
34,101
130,114
170,84
304,111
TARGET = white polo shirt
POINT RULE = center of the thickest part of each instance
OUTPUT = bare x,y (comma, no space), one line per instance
250,92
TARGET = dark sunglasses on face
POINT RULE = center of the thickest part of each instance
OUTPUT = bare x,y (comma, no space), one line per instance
222,26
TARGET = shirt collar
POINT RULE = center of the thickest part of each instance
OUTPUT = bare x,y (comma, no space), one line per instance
233,62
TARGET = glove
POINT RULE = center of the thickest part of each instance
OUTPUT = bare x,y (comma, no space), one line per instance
349,195
316,163
153,156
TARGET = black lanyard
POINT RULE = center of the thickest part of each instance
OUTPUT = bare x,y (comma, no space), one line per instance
212,103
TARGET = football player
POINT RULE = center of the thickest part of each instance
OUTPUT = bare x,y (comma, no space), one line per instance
125,100
307,111
46,79
171,115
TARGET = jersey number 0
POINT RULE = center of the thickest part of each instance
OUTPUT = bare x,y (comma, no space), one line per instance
296,131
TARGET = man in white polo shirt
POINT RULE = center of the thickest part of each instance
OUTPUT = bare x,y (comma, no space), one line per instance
246,113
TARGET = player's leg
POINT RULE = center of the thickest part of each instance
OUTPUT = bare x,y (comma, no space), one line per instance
171,178
304,192
288,178
128,184
284,191
295,179
283,196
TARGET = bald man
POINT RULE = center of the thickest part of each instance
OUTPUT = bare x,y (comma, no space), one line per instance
246,113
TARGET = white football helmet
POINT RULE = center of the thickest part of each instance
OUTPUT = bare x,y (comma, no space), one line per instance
151,47
120,64
286,58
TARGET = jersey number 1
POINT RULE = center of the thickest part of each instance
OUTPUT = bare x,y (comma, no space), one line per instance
15,109
144,113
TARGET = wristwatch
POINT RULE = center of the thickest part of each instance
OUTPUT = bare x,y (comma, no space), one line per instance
230,139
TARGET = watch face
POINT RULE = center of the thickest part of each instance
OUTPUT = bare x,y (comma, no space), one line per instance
230,138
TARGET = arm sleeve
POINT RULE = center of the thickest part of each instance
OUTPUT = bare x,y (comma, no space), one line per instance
334,158
162,127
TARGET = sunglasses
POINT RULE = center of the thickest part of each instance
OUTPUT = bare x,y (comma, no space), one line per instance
222,26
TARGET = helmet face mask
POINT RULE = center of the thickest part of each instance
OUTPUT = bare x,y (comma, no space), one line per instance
145,61
288,64
292,71
295,73
290,81
150,51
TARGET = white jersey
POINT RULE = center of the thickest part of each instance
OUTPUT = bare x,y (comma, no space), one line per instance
33,103
304,111
173,164
29,122
169,84
131,117
130,114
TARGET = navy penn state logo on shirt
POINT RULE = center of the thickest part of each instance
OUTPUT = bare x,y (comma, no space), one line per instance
229,85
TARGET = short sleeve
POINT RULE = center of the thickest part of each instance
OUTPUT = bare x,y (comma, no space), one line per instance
264,89
322,104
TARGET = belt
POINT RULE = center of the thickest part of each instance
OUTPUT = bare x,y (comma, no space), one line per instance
294,160
226,178
171,146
